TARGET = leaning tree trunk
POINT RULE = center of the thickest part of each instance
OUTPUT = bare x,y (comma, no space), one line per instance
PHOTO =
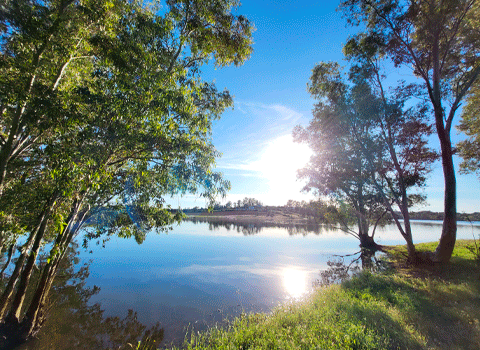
8,292
9,259
16,307
446,244
9,289
35,314
449,230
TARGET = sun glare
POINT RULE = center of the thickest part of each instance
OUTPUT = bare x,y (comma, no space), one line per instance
294,282
279,162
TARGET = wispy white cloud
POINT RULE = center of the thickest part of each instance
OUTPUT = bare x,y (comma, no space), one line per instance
259,154
258,123
239,166
286,113
256,269
263,124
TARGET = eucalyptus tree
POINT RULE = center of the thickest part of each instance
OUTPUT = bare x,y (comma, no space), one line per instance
248,202
403,131
106,113
469,149
338,168
439,42
368,149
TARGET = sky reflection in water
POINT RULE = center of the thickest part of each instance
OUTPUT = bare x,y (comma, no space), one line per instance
199,274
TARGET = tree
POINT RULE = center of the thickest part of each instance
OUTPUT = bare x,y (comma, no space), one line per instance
292,203
402,132
248,202
337,168
104,113
439,41
368,149
470,125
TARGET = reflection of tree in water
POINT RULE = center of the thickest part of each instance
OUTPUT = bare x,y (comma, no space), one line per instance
304,230
72,323
246,229
338,271
253,228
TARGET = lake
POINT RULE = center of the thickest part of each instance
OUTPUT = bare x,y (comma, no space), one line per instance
202,273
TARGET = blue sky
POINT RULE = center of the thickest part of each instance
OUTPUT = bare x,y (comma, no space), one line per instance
259,157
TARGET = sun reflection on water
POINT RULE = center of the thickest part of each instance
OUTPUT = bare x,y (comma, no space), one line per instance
294,282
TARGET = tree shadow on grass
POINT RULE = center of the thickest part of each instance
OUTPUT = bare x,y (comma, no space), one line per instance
429,311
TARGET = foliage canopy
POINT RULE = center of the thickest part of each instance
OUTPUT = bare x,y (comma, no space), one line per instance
439,42
103,113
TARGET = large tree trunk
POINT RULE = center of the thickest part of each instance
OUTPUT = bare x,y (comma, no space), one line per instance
9,258
16,308
445,247
35,314
368,242
7,294
406,222
449,230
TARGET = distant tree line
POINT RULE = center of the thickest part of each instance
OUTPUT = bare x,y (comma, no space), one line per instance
430,215
246,203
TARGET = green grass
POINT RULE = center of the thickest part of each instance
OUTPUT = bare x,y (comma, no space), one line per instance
405,308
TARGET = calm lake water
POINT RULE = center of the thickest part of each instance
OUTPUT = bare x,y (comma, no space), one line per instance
201,273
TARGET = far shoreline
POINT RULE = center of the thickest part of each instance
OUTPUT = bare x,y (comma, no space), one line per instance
289,216
251,216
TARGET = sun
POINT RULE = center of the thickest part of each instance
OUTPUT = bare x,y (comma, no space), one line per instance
279,162
294,282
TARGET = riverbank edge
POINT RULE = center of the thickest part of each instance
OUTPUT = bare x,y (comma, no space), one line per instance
403,307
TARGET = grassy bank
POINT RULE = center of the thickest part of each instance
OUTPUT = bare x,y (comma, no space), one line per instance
422,308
